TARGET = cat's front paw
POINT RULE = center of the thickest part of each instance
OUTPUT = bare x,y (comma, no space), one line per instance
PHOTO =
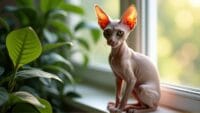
110,105
115,110
131,111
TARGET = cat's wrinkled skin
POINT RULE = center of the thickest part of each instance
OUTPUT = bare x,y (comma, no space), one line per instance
136,70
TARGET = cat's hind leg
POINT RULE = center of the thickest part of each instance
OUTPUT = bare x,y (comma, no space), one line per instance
147,100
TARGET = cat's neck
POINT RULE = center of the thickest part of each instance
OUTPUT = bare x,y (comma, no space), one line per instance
120,50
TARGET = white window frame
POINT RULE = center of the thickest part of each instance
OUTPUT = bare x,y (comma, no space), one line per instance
143,40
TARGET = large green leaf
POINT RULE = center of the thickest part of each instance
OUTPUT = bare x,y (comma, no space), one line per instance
47,105
72,8
37,73
3,96
49,47
22,96
23,46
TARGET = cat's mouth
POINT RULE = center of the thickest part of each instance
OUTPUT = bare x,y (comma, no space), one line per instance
113,44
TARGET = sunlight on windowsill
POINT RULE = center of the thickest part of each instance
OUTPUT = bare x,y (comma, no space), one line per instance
97,99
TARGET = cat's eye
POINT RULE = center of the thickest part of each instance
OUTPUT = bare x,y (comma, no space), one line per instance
120,33
107,33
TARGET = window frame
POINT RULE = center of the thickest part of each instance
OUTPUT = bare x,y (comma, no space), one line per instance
143,39
176,97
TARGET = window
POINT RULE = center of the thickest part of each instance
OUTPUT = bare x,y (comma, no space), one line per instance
173,17
168,32
179,42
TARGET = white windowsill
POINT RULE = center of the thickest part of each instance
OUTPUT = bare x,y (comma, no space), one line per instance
95,100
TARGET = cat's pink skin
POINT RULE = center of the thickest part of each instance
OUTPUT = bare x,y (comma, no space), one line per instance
136,70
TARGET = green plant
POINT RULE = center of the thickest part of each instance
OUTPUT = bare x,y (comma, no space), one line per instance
48,19
23,46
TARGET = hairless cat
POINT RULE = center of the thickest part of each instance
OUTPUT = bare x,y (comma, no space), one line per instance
134,69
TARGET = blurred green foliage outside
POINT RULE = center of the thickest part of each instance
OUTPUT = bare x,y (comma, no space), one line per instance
178,42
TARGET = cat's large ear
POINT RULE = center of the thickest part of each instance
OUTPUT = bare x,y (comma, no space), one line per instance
130,17
103,19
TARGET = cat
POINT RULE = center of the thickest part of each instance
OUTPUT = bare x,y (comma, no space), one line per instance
134,69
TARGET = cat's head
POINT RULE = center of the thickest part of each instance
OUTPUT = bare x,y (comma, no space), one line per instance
116,31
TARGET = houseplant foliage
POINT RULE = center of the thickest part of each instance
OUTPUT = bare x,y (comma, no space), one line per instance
36,45
21,53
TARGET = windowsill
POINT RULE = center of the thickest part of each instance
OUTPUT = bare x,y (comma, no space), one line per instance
98,88
94,100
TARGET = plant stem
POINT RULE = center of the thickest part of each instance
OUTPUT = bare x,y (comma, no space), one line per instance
12,82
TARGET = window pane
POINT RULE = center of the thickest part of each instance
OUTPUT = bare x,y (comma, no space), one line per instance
100,51
179,41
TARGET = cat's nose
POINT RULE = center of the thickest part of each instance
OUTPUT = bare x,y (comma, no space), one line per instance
110,42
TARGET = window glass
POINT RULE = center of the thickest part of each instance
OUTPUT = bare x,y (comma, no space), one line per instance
179,41
99,51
